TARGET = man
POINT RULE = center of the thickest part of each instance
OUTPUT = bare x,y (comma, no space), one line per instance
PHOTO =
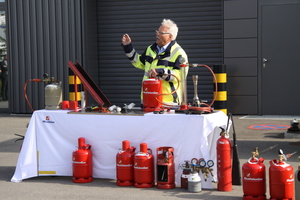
161,60
4,76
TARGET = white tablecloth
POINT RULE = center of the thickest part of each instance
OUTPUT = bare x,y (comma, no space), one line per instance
53,135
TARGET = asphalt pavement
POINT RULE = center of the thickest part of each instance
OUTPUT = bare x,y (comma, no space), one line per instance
57,187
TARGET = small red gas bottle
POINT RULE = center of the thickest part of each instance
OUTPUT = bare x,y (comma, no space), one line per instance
224,163
82,163
254,178
143,167
186,172
297,182
281,179
152,100
165,168
124,162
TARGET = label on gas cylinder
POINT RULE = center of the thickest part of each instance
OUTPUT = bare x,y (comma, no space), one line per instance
79,162
150,92
290,180
253,179
142,154
122,165
140,167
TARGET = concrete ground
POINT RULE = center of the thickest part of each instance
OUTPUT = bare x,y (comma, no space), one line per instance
64,188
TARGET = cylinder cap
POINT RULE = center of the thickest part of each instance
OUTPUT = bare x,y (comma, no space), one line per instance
125,144
81,142
143,147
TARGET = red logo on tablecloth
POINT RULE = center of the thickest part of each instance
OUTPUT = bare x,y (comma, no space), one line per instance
48,120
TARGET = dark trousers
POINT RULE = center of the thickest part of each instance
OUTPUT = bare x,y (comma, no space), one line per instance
4,87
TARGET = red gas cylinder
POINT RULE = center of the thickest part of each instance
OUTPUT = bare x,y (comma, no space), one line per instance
186,172
281,180
297,182
254,179
184,178
82,163
152,99
124,162
224,163
165,168
143,167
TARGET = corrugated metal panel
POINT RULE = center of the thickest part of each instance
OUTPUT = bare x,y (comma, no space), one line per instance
2,6
90,47
200,34
43,35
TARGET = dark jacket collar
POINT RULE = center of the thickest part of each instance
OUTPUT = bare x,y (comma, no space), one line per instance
168,49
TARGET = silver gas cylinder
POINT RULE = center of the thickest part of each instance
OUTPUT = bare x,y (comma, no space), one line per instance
194,182
53,96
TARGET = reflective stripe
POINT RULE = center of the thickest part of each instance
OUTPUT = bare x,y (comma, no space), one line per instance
175,51
71,80
47,172
221,96
72,96
175,96
130,54
135,59
221,78
166,70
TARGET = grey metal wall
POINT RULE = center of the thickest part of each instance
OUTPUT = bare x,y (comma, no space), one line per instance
2,6
200,35
42,36
240,55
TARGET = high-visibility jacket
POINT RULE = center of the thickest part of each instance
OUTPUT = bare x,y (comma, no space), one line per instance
167,64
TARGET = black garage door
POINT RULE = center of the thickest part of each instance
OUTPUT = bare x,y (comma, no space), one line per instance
200,35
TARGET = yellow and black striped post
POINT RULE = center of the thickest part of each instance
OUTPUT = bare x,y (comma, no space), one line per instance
75,87
221,96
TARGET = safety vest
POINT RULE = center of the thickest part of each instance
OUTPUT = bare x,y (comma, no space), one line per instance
170,59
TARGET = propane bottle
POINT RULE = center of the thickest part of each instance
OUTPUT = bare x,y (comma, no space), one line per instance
124,162
152,88
53,95
194,182
143,171
165,168
185,175
281,179
82,163
184,178
297,182
224,163
254,179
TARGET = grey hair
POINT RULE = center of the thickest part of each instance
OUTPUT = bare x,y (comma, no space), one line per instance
173,29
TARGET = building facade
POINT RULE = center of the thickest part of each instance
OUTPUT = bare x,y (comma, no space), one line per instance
43,36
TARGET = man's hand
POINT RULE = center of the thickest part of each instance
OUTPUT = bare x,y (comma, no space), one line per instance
126,39
152,73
